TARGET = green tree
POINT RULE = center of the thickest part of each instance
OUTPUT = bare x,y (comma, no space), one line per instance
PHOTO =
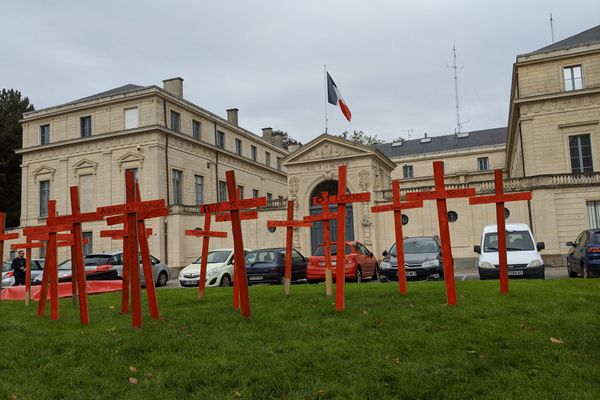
12,107
361,138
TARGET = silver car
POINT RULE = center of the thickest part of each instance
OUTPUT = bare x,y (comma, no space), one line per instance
37,268
160,270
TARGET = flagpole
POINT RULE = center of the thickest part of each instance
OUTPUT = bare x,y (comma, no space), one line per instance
325,76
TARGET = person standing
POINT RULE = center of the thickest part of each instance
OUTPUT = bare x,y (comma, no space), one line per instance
18,267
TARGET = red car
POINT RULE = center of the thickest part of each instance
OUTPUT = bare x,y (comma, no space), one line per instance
359,263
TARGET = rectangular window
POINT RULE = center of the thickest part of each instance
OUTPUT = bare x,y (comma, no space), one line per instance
45,134
86,193
238,147
196,130
220,139
593,212
253,153
255,193
222,191
175,121
407,171
131,118
177,192
269,197
87,247
86,126
573,78
279,163
240,189
580,149
44,197
43,249
267,159
483,164
199,189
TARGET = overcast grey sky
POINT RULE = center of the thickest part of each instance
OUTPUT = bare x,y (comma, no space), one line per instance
388,58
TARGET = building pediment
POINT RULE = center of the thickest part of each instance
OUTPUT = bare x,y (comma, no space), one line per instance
44,172
84,166
129,159
327,148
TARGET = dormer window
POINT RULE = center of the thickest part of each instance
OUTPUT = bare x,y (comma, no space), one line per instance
573,78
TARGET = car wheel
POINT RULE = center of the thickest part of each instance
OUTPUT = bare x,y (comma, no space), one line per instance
358,275
375,276
162,280
225,280
572,274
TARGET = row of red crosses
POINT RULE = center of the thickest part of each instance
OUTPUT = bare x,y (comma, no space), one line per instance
132,214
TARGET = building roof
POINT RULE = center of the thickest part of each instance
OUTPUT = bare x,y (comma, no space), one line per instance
591,36
118,90
485,137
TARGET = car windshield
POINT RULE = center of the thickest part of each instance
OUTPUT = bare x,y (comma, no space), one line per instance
97,259
65,265
320,251
417,246
261,257
214,257
515,241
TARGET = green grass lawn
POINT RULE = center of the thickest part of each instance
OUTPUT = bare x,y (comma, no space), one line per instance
383,346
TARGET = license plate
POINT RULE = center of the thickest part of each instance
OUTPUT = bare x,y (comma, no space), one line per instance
411,273
514,273
255,278
188,282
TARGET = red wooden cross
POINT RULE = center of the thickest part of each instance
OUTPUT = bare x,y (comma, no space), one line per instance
206,234
440,195
132,214
341,199
28,245
244,215
325,216
240,296
289,224
499,199
397,206
5,236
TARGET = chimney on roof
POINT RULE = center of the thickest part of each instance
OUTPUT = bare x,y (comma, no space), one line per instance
232,116
174,86
267,134
277,139
293,147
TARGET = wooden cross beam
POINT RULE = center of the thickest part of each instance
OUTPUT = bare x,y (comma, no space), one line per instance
234,206
397,206
289,225
206,234
341,199
28,245
440,195
244,216
499,199
325,216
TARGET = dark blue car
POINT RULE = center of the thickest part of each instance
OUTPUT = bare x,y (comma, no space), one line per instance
268,265
583,258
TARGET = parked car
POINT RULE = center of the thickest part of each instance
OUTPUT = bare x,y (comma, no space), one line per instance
219,269
268,265
37,268
92,273
584,254
422,260
524,260
160,270
359,263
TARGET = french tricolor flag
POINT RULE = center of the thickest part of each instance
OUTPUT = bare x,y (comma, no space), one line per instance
335,97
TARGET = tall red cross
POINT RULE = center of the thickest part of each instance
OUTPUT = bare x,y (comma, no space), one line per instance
397,206
440,195
5,236
325,216
28,245
233,206
205,234
132,214
499,199
341,199
289,225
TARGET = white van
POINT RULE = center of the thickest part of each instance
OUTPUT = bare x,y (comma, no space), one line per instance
524,260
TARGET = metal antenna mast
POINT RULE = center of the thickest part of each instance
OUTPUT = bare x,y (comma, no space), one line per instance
552,27
455,68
